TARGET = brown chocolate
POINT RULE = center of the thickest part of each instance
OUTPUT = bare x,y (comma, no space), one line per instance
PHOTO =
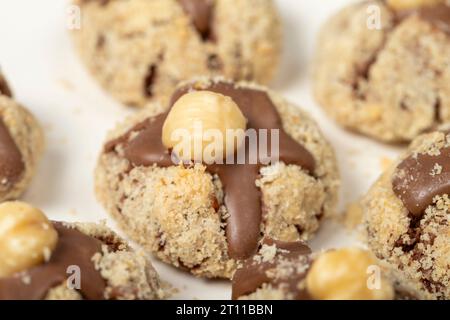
254,274
242,196
419,178
74,248
11,162
438,15
4,87
200,12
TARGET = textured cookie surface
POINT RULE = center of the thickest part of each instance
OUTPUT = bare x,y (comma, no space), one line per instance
107,269
389,82
139,50
187,215
408,221
21,145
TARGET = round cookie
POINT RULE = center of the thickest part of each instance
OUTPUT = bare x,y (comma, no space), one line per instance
139,50
289,271
205,218
382,70
21,145
80,260
407,217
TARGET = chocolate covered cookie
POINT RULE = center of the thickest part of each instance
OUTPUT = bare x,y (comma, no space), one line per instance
207,213
139,50
21,145
47,260
408,220
289,271
382,67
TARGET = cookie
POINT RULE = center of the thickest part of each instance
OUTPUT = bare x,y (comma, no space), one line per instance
43,260
21,145
204,217
289,271
407,217
139,50
381,68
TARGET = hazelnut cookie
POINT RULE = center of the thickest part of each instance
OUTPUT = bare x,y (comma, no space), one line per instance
382,67
407,217
21,145
47,260
205,216
139,50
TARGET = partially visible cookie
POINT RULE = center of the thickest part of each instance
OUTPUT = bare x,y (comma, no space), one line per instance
40,260
139,50
382,69
21,145
407,216
289,271
204,217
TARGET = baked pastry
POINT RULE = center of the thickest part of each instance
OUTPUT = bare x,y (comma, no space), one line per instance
408,221
139,50
41,260
382,67
289,271
206,216
21,145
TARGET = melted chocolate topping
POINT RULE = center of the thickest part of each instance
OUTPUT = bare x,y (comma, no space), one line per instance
419,178
73,248
201,14
4,87
242,196
11,162
253,275
438,15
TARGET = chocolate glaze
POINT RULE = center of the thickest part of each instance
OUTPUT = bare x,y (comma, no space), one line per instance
242,196
73,248
438,15
11,162
414,184
254,274
201,14
4,87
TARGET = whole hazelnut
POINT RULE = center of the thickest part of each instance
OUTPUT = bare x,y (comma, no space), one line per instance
347,274
204,126
27,237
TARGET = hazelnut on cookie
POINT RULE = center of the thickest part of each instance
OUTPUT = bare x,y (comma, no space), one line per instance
407,217
139,50
382,67
21,145
289,271
225,164
40,259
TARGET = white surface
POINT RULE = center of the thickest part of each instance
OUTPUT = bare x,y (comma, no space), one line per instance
37,57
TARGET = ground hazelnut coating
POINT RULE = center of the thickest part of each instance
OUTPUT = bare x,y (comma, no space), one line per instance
204,218
21,145
343,275
382,71
412,4
139,50
203,120
407,217
27,238
83,261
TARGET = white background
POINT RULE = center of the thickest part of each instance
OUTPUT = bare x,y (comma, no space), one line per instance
37,56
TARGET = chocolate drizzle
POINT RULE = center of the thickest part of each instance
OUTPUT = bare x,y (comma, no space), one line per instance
73,248
242,196
201,14
438,15
419,178
254,274
11,162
